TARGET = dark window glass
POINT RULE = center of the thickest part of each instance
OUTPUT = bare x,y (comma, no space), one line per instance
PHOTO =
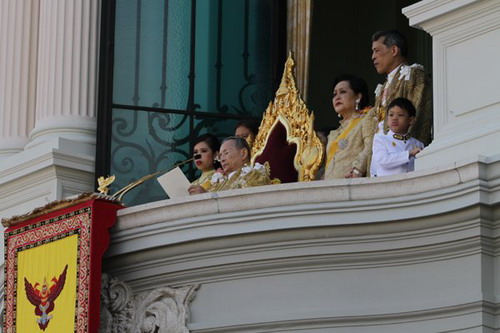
175,69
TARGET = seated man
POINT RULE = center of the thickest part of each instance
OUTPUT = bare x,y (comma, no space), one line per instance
236,170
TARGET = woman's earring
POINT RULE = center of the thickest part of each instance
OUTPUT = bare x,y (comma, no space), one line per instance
338,115
357,104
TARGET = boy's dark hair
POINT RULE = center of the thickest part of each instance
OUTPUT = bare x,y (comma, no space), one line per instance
358,85
211,141
405,104
391,38
251,123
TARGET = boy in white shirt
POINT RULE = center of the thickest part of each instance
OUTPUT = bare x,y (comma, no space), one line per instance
394,152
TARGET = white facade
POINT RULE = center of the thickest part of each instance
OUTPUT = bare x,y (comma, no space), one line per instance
410,253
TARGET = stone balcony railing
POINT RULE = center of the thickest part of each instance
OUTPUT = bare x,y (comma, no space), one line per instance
407,253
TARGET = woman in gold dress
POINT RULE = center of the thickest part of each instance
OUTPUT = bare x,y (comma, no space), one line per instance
205,151
349,147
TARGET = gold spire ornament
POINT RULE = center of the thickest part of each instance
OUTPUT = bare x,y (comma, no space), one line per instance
290,110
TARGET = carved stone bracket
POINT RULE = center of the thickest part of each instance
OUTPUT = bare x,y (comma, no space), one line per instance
159,311
117,307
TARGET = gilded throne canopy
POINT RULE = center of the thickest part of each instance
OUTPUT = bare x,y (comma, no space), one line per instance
286,138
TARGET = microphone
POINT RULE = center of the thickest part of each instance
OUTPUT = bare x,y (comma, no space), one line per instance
120,193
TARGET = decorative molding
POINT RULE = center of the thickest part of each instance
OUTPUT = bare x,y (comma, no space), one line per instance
163,310
51,172
271,260
324,321
450,13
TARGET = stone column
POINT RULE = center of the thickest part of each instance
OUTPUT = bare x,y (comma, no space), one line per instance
18,52
298,36
466,85
67,71
59,159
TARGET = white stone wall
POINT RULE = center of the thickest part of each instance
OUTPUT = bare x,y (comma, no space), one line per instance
466,50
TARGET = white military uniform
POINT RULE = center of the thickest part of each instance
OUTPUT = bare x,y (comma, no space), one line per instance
391,154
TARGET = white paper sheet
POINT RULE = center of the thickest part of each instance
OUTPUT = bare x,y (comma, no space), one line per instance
174,183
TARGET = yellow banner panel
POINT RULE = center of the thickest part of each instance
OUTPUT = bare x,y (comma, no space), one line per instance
47,287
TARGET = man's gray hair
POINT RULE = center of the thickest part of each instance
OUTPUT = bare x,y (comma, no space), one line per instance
240,143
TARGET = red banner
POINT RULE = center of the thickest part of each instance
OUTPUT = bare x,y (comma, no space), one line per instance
53,262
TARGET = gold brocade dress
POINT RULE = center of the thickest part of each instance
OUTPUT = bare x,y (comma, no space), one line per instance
353,140
205,179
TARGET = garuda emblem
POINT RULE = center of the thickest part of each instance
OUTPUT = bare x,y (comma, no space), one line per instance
43,298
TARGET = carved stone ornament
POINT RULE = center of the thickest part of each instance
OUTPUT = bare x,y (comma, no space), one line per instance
163,310
117,307
290,110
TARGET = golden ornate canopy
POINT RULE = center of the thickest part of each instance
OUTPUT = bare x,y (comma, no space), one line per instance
290,110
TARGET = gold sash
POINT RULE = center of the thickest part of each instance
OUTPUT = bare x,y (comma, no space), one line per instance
335,144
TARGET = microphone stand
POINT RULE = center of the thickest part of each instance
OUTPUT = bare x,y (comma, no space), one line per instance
120,193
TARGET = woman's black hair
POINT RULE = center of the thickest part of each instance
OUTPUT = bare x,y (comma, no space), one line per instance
358,85
251,123
211,141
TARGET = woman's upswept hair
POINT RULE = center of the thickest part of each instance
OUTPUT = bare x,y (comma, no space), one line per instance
358,85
